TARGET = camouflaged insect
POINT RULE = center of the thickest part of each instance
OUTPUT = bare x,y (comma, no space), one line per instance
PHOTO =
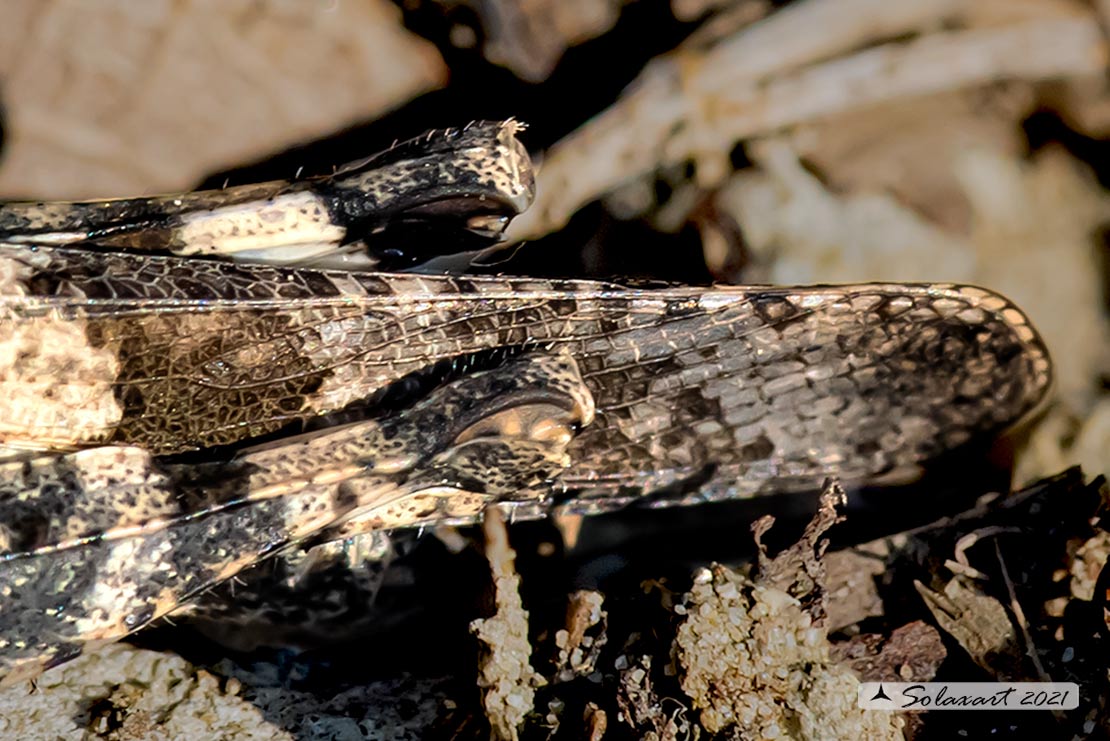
316,405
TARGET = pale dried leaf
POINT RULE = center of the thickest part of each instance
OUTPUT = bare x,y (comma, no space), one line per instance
808,234
697,103
116,98
907,149
1089,561
979,623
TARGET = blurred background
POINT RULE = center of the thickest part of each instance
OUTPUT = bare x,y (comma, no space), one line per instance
744,141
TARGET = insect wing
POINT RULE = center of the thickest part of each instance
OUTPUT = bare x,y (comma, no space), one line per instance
770,387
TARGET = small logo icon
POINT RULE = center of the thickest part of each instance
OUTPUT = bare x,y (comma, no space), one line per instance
881,694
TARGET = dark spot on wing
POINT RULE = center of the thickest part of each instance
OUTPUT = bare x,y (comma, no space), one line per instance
775,310
759,449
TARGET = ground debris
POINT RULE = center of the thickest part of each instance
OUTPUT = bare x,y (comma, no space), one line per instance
995,580
506,675
395,709
1089,561
853,594
530,37
124,693
754,653
978,622
597,722
580,643
642,709
912,653
799,570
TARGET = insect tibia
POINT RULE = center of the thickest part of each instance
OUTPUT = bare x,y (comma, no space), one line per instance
442,193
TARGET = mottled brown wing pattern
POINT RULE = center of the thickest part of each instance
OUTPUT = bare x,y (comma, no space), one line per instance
771,388
775,390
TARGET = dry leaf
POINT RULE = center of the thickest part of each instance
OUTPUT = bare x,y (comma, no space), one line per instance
115,97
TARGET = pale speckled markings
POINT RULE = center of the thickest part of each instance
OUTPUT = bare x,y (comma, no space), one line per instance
50,498
52,377
287,224
499,162
162,533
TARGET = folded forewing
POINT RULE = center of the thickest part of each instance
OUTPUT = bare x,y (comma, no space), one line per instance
761,385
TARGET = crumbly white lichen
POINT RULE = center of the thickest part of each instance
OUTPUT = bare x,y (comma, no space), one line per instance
506,674
752,658
754,655
127,693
